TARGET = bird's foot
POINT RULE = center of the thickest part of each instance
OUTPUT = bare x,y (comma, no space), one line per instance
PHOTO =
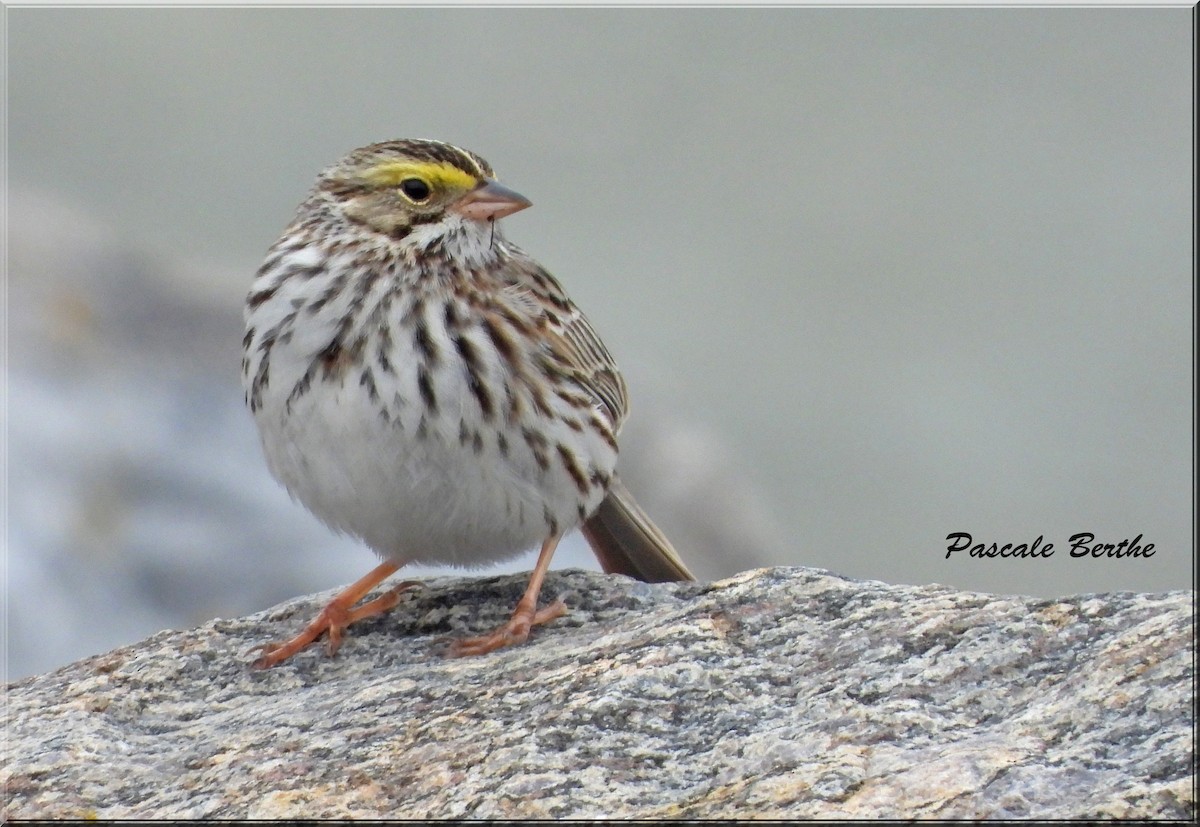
515,631
333,619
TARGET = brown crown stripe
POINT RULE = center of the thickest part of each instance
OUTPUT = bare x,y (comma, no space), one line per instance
424,150
342,188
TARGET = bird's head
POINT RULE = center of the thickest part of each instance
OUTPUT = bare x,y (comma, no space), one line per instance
418,190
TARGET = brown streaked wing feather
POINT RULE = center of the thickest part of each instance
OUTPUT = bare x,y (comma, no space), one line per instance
572,342
621,534
593,367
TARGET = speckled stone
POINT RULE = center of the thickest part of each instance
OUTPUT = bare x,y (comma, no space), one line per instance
784,692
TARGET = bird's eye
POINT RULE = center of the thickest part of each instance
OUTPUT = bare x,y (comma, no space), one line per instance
415,189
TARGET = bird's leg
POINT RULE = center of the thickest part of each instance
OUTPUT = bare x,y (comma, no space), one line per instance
337,615
524,617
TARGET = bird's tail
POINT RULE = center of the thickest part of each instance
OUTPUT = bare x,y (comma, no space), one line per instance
625,540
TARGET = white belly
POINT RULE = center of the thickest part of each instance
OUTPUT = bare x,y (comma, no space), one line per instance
455,490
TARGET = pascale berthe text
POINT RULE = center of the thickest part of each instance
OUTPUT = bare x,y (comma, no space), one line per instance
1082,545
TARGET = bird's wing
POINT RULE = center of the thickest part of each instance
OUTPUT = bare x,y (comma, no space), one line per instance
572,346
593,367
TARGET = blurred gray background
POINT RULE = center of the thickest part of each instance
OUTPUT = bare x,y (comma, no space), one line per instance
874,276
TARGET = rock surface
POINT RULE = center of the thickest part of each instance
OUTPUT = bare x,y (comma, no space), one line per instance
777,693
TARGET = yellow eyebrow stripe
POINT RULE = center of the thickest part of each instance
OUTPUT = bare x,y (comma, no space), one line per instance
438,175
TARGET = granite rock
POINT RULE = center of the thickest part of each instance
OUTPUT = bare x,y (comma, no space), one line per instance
785,692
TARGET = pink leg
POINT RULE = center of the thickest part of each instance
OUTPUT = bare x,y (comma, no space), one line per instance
524,617
337,615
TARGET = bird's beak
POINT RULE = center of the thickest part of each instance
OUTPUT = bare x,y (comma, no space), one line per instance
489,201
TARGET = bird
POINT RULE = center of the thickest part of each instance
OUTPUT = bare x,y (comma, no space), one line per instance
422,384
